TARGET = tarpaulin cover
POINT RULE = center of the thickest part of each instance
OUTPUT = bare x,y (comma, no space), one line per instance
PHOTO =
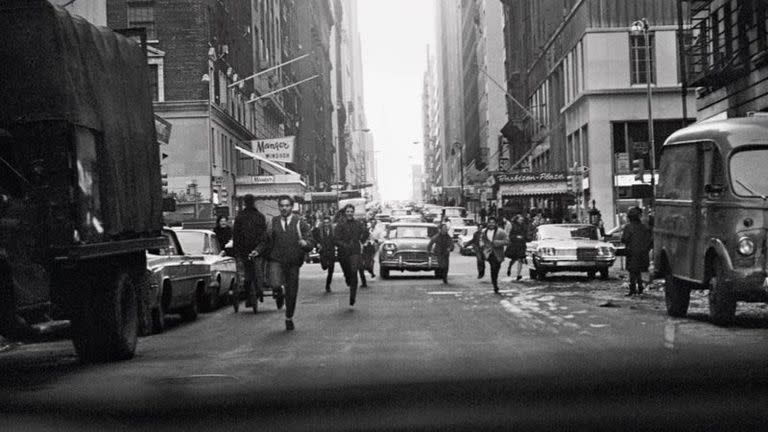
56,67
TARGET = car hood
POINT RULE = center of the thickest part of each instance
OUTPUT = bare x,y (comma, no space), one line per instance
569,243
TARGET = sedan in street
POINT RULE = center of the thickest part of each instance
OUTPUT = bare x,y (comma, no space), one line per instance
570,247
203,247
405,248
176,282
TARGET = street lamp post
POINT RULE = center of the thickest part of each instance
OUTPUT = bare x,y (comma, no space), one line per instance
461,167
638,26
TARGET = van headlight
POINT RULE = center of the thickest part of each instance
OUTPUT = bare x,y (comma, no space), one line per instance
746,246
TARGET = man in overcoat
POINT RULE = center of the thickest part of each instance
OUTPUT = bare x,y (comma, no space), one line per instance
326,244
441,244
350,234
493,242
250,244
637,239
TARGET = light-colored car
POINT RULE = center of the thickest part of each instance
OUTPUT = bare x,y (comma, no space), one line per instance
405,248
202,246
414,218
570,247
176,282
458,225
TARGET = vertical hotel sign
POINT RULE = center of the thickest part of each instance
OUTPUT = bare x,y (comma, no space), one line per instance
275,149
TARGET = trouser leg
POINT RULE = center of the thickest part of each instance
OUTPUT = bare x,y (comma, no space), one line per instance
329,278
344,263
361,272
480,266
633,278
353,268
495,267
291,275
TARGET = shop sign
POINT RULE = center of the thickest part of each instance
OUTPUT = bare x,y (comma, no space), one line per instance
276,149
527,189
622,162
531,177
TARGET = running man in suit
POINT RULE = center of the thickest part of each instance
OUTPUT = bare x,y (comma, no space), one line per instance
493,242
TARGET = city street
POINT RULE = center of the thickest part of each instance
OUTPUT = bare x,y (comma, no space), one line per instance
409,329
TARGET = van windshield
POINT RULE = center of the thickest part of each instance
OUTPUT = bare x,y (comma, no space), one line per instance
748,173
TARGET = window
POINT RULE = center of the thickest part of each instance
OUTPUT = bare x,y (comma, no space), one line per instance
153,82
639,66
677,172
142,14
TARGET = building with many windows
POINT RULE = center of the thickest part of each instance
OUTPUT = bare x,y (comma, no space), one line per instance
586,96
728,56
430,125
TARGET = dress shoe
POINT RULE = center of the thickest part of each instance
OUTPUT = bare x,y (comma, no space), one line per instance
629,294
352,295
365,285
496,289
519,277
289,324
327,288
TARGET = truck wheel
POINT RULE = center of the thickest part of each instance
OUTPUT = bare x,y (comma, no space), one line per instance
384,272
105,324
676,295
604,273
189,313
144,304
722,306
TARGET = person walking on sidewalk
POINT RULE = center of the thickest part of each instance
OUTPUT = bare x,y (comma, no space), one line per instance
251,243
290,242
477,246
637,240
349,234
516,249
494,240
441,244
326,245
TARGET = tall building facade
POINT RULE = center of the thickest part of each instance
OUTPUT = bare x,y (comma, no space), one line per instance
585,91
199,52
448,66
355,157
314,143
430,121
727,54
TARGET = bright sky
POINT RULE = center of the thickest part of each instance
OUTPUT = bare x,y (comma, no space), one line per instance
395,35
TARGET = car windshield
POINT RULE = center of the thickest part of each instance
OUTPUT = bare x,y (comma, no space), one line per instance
412,232
748,175
556,232
194,243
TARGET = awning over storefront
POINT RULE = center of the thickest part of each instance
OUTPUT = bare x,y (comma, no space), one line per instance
269,166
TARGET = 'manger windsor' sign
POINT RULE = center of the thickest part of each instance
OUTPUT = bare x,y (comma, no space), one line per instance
275,149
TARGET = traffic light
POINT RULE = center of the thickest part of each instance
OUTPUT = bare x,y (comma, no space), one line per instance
164,181
638,168
569,183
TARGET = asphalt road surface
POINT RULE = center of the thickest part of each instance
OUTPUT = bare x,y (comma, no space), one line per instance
410,340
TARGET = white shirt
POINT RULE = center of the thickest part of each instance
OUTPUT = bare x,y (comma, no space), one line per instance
489,234
284,222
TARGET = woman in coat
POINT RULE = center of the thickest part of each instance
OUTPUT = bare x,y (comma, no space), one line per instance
516,249
637,240
441,244
223,231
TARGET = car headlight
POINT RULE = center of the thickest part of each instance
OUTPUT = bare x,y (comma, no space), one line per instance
546,251
746,246
604,251
389,247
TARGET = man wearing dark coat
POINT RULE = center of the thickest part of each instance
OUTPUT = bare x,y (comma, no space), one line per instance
493,241
326,244
441,244
250,244
290,237
349,234
637,239
476,243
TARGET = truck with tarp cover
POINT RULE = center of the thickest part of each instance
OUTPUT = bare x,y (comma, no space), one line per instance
80,188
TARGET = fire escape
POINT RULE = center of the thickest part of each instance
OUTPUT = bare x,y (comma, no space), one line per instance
727,40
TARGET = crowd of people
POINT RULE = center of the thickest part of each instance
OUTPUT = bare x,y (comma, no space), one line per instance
272,252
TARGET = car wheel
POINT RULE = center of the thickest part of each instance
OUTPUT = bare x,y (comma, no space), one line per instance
384,272
677,296
189,312
438,274
234,296
541,275
212,298
591,274
722,306
604,273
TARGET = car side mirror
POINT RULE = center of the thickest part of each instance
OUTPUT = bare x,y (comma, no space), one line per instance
714,189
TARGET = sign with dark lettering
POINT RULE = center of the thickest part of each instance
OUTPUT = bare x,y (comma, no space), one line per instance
531,177
275,149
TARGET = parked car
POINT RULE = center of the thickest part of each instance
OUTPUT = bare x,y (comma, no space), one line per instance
405,248
414,218
451,212
176,282
465,236
569,247
202,245
614,238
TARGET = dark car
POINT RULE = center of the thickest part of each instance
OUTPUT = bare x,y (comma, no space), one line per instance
405,248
